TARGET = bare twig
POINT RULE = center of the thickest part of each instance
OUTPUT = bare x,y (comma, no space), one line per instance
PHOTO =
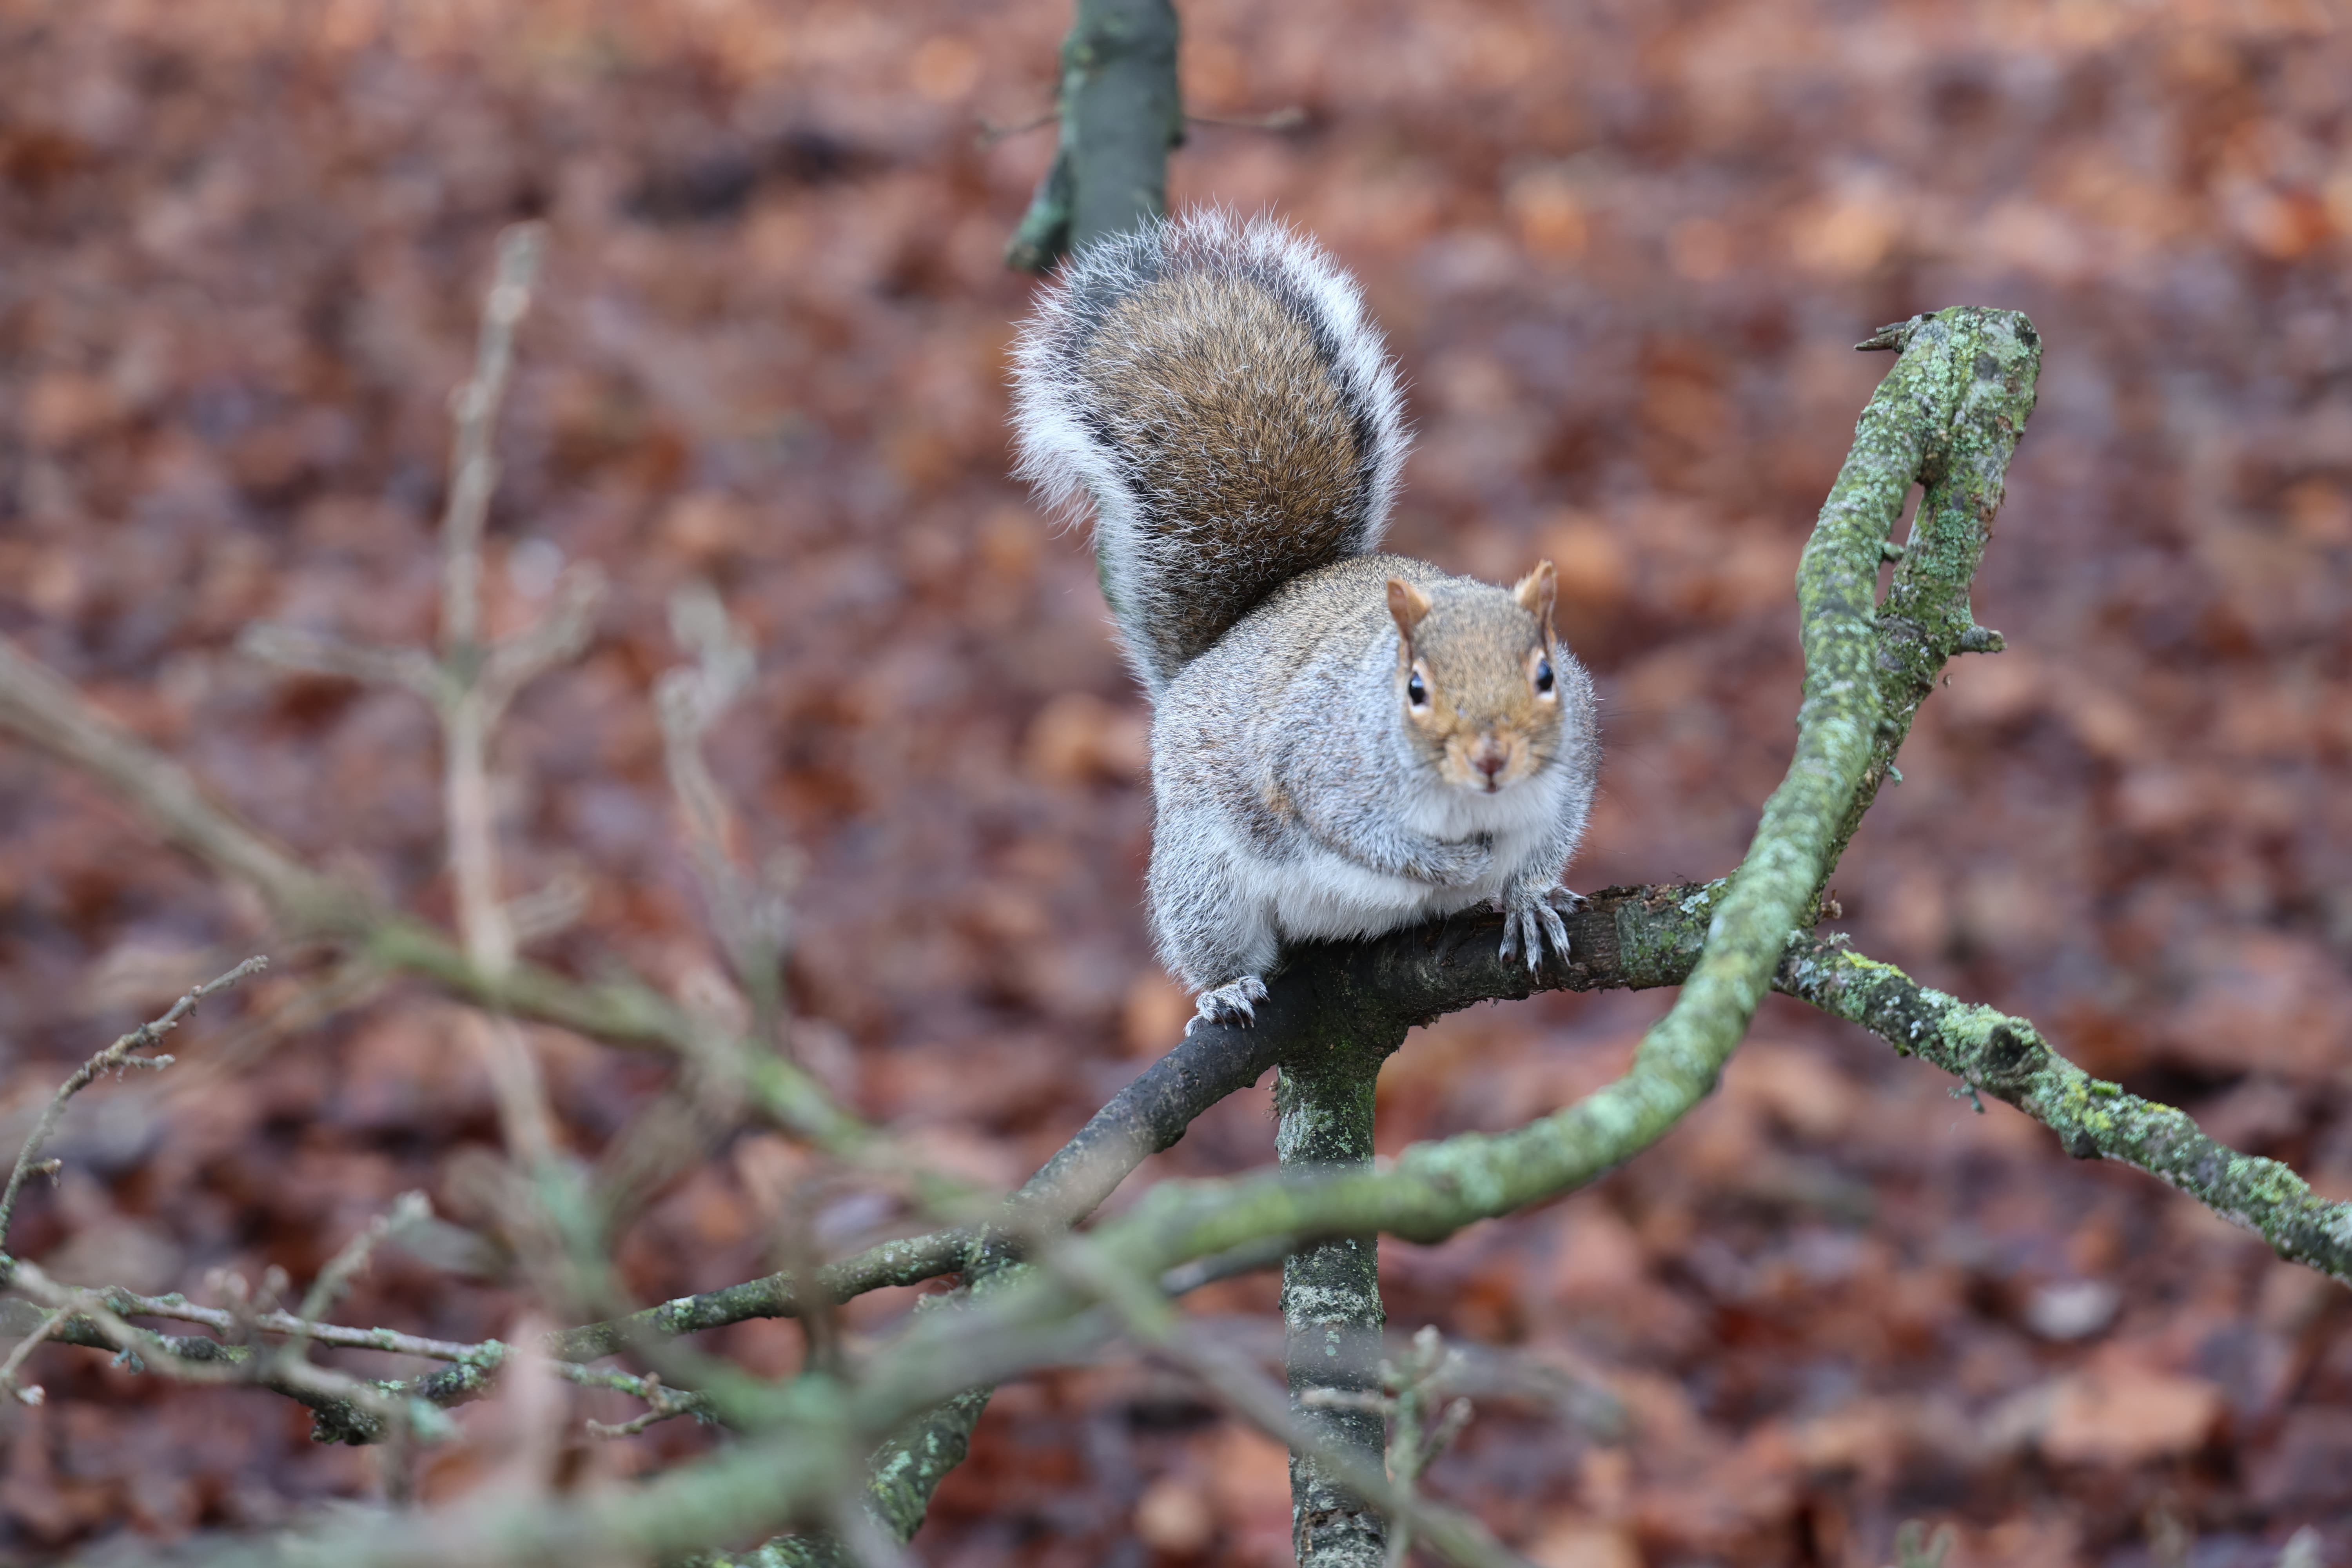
40,707
314,653
991,134
752,921
115,1058
87,1319
473,464
336,1277
556,638
1290,117
32,1393
477,683
664,1402
467,803
1414,1438
525,1118
179,1308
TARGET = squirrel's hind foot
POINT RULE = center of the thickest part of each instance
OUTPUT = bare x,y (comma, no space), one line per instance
1531,919
1235,1003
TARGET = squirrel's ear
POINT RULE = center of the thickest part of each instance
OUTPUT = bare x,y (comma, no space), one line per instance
1407,604
1535,591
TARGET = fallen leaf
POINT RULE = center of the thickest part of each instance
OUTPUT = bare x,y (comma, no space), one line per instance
1574,1540
2116,1414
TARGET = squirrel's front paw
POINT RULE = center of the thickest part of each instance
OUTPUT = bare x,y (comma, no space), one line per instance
1235,1003
1530,916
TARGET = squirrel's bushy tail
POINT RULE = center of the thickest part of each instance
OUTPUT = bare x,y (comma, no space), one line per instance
1215,390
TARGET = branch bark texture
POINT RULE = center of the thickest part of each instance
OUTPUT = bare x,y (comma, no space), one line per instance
1120,112
1992,370
1332,1309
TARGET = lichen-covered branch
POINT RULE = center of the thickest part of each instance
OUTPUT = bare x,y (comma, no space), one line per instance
2006,1057
1994,363
71,1314
1120,112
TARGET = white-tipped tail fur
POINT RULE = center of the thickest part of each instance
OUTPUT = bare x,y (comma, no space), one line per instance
1213,391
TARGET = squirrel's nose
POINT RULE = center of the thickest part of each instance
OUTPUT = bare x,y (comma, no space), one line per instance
1489,760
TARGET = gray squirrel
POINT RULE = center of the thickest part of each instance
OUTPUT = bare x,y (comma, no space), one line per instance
1343,743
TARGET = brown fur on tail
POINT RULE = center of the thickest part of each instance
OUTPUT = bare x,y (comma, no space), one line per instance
1214,390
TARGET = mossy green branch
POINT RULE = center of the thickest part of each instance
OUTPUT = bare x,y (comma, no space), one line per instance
1990,363
2005,1057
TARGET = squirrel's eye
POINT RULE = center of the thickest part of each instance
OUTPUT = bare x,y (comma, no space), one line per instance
1543,673
1416,691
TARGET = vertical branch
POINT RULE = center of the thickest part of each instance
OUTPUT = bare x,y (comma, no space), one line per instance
472,466
1120,112
473,846
469,707
470,684
750,916
1331,1310
469,703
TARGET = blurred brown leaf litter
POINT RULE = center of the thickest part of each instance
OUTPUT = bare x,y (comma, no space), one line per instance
1621,252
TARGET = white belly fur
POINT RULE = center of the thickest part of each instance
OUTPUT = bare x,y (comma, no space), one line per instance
1319,895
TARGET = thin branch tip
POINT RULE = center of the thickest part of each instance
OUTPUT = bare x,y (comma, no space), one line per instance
1981,639
1894,337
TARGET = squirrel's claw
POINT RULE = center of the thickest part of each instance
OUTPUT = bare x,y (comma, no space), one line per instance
1235,1003
1554,928
1511,940
1523,935
1527,926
